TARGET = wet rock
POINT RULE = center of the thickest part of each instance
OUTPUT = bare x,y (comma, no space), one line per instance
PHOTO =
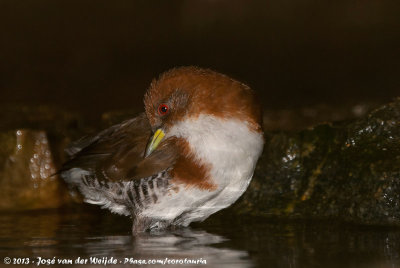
61,127
32,142
26,177
347,171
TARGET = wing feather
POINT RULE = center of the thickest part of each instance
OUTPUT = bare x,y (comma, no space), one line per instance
104,166
117,153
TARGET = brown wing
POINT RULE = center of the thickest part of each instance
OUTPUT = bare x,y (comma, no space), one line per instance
117,153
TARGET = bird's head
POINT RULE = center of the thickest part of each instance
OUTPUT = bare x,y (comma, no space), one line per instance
188,92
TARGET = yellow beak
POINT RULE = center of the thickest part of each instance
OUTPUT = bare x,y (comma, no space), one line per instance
155,141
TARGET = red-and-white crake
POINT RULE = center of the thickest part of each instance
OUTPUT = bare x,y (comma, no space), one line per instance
191,154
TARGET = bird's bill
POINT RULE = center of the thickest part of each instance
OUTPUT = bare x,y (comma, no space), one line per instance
155,141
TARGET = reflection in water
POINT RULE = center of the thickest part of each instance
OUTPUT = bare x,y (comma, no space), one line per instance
223,241
193,245
107,245
67,235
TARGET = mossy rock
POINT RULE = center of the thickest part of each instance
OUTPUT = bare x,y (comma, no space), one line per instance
347,171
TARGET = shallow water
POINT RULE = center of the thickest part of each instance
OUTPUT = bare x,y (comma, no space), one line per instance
222,241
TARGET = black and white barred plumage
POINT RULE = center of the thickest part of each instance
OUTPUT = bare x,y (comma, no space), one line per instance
122,197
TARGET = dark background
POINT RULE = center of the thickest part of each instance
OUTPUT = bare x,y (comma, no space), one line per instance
94,56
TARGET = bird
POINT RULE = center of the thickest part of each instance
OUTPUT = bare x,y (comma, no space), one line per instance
191,153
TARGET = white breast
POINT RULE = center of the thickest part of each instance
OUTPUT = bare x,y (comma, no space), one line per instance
231,149
228,146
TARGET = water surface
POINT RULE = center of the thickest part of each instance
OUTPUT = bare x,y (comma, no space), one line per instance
221,241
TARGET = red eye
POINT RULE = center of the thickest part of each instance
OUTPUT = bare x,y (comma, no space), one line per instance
163,109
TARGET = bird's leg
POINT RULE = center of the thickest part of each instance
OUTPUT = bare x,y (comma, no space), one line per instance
139,225
143,224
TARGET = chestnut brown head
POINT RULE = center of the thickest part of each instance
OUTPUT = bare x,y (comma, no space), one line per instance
187,92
